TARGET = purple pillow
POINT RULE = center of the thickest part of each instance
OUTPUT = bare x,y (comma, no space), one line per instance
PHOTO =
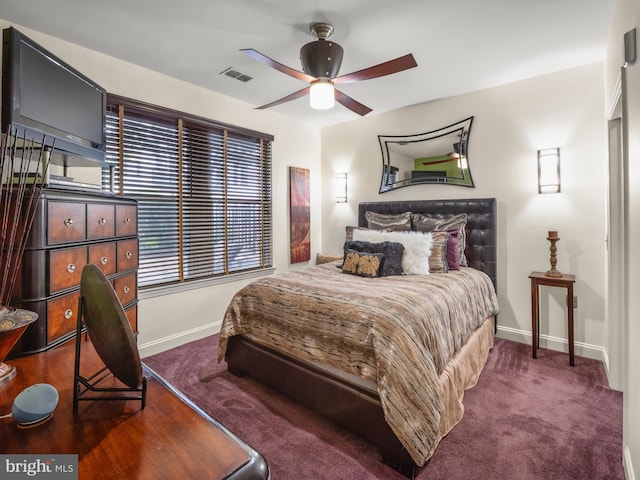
453,255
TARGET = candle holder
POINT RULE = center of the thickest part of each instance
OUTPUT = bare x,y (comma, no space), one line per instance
553,238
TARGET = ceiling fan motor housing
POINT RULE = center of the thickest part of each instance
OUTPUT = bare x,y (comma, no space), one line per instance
321,59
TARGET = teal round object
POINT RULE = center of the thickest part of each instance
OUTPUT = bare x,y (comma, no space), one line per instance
34,403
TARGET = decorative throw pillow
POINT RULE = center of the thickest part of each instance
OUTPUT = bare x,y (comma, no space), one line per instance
362,263
349,232
399,222
417,247
453,254
320,259
392,252
438,258
435,223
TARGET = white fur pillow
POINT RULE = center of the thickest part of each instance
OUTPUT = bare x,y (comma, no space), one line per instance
417,247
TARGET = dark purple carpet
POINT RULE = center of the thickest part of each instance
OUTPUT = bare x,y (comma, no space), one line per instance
525,419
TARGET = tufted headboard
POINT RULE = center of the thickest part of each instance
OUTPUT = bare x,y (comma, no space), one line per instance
481,224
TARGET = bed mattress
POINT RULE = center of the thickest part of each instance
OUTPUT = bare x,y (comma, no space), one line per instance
400,333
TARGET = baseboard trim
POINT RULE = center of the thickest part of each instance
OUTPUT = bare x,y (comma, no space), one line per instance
522,336
172,341
627,463
552,343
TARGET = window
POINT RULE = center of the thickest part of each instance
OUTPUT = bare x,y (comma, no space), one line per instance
203,191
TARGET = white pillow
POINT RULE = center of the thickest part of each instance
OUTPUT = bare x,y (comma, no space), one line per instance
417,247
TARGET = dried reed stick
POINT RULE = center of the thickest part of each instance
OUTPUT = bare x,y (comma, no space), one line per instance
19,199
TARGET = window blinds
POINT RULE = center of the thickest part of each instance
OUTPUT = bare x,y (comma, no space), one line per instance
203,191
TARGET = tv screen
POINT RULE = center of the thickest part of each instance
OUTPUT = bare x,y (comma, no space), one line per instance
44,96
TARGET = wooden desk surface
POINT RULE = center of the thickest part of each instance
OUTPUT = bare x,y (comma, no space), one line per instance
171,438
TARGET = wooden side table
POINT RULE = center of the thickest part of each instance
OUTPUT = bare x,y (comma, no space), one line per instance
564,281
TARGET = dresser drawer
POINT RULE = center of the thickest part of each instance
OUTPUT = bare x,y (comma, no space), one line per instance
71,229
62,316
132,316
65,267
104,256
126,220
127,252
126,288
101,220
66,222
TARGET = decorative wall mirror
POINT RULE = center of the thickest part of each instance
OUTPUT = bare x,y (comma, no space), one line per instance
439,156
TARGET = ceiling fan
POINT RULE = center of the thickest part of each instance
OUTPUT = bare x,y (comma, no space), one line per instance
321,60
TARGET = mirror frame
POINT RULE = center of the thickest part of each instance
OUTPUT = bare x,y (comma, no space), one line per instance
462,176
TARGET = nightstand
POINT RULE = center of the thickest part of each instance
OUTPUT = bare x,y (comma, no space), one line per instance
563,281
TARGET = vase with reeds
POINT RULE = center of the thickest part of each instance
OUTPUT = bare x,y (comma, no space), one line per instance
23,167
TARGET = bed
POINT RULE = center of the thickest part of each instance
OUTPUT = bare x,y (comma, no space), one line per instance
367,352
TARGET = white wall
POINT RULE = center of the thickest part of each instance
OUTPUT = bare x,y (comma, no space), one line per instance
626,16
511,123
174,319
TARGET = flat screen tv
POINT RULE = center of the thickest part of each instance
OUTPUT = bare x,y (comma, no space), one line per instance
44,97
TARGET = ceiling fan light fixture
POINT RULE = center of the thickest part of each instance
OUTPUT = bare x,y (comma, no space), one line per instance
321,61
322,95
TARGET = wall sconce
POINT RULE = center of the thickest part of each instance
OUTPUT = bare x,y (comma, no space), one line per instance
341,188
549,170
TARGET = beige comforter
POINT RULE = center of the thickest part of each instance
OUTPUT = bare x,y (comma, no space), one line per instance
398,331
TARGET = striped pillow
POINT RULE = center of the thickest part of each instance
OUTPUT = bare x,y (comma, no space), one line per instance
438,258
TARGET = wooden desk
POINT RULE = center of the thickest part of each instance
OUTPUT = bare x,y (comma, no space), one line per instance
170,438
565,281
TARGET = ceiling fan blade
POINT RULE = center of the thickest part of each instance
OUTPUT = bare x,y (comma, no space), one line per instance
387,68
278,66
351,104
288,98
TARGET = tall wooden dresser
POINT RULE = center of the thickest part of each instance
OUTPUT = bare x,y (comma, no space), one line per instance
70,230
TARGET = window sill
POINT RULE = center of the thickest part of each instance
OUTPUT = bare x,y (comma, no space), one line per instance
152,292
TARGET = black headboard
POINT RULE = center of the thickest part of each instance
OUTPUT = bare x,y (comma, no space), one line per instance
481,224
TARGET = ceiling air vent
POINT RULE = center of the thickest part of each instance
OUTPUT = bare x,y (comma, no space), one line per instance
230,72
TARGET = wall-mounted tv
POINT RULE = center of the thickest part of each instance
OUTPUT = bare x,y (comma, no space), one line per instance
44,97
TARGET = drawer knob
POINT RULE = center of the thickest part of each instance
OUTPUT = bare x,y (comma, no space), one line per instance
128,255
102,221
71,268
127,220
68,313
103,260
68,222
126,289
